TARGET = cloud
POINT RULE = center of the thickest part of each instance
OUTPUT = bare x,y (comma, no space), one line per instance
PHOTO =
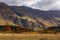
37,4
20,2
48,5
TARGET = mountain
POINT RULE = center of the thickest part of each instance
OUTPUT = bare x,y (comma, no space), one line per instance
5,12
7,15
48,18
28,18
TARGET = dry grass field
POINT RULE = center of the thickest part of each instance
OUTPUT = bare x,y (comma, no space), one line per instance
29,36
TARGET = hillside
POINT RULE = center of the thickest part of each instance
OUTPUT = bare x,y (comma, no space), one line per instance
7,15
28,18
48,18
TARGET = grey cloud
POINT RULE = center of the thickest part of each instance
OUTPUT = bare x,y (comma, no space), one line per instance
47,5
19,2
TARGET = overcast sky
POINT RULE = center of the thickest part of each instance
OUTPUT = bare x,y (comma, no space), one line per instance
38,4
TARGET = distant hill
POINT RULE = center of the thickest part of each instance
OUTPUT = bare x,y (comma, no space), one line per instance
29,18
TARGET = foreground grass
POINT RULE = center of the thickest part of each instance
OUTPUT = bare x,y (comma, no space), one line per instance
29,36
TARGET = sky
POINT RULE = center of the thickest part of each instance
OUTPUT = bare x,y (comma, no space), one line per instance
37,4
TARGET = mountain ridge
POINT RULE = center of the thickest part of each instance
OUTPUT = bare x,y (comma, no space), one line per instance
29,18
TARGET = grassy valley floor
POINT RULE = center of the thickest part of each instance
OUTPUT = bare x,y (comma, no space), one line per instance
29,36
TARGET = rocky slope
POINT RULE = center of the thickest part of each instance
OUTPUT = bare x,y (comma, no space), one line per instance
48,18
28,18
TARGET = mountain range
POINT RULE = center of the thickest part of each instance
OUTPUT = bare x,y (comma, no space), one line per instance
26,17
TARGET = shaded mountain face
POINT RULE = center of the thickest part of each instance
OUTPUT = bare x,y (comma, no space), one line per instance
28,18
35,12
